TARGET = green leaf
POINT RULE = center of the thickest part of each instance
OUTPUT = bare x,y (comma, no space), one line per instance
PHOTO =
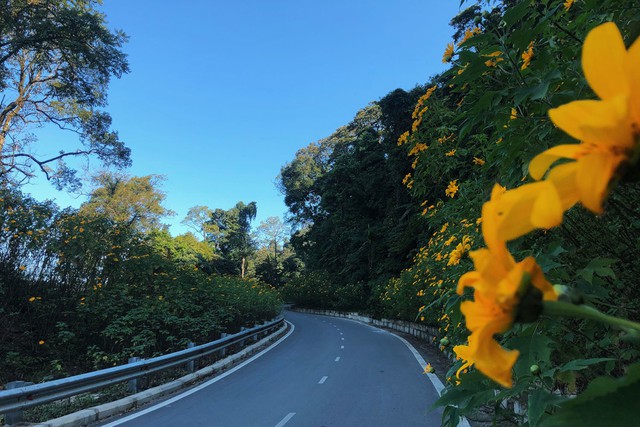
579,364
599,267
516,13
605,402
539,400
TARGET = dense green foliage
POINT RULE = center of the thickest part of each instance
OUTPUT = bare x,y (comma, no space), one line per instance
81,291
478,123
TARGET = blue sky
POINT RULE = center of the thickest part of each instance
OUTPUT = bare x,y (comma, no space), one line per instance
221,94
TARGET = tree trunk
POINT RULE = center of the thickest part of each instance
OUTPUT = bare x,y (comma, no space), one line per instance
242,268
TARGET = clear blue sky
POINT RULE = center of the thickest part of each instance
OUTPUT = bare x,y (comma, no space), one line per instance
222,94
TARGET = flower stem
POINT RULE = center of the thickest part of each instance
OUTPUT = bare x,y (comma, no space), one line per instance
559,308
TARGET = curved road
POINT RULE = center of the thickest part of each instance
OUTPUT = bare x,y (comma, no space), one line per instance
329,372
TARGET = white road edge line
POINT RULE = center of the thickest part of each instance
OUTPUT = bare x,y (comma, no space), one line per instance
323,379
437,384
201,386
285,419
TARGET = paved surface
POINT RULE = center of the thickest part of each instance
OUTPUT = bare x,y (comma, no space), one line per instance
329,372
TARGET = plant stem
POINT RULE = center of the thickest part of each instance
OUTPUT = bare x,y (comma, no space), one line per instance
559,308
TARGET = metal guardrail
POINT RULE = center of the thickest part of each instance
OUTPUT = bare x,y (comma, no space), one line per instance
29,396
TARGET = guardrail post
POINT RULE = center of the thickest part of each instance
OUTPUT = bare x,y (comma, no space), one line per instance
242,329
132,385
15,417
191,365
223,352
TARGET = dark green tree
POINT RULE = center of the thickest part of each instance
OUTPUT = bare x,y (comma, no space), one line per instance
230,233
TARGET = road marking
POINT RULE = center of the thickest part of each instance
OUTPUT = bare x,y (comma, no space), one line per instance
342,339
201,386
323,379
338,359
341,346
340,332
285,419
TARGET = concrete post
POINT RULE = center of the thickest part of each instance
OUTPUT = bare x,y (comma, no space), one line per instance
223,352
191,365
15,417
132,385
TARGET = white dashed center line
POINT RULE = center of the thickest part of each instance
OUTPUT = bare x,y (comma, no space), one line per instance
285,419
322,380
338,359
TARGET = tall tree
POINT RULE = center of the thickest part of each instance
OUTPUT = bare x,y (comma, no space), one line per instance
272,233
199,220
136,201
56,60
231,236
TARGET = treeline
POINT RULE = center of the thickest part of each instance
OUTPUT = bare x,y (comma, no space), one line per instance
389,207
87,289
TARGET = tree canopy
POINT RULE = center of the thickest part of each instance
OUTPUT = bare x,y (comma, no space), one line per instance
56,61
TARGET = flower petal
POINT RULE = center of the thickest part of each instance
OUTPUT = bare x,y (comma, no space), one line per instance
563,177
547,208
578,118
603,61
593,176
541,163
633,71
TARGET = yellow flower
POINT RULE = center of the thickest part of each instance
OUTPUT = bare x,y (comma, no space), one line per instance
403,138
514,114
429,369
498,285
468,34
41,342
494,58
22,268
478,161
450,153
514,213
448,53
607,128
526,56
568,4
32,299
452,189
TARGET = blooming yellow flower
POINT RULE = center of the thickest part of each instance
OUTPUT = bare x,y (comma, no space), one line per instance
468,34
452,189
450,153
32,299
514,213
478,161
526,56
448,53
429,369
41,342
22,268
568,4
494,58
607,128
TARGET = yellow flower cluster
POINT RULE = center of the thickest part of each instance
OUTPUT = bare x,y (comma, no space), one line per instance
452,188
527,55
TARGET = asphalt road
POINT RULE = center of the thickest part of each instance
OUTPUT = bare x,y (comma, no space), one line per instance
328,372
